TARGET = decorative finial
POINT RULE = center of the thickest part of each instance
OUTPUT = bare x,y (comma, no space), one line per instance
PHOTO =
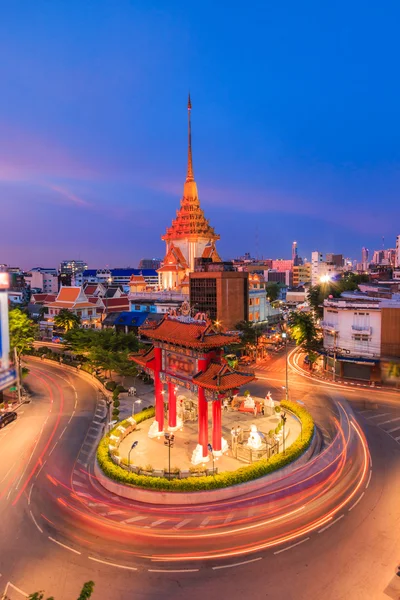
189,175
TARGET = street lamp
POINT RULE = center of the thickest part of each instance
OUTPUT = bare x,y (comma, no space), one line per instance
135,443
169,440
284,335
325,278
283,417
133,406
210,449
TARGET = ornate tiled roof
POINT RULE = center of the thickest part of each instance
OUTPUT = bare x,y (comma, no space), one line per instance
144,357
189,334
221,378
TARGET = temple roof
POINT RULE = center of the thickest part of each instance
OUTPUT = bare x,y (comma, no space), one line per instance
189,334
190,220
144,357
221,378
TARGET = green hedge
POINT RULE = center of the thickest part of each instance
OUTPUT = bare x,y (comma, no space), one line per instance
221,480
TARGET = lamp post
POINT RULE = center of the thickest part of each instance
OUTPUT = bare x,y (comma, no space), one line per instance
135,443
284,417
133,406
210,449
169,440
284,335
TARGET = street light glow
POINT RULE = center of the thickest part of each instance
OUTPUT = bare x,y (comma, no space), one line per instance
325,278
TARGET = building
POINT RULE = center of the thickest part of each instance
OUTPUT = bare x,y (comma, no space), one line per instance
72,267
359,332
295,257
317,264
74,299
283,277
281,265
364,259
301,274
186,356
397,256
42,279
190,235
334,259
119,277
150,263
221,295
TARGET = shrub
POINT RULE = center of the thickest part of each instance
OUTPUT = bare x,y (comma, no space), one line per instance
116,403
246,393
110,386
115,413
121,389
202,482
115,394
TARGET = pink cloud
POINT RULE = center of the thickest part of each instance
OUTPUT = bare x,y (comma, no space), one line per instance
65,193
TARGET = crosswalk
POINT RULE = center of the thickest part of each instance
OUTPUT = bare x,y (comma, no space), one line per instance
387,419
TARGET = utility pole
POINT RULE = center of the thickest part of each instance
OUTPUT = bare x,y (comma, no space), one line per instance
284,335
334,354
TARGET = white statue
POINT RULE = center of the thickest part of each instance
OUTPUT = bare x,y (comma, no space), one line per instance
197,456
249,402
254,442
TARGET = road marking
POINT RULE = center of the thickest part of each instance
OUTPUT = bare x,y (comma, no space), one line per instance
330,524
389,421
115,512
356,502
64,546
79,473
81,462
30,494
369,479
244,562
393,429
292,546
397,439
80,483
182,523
173,570
34,520
110,564
158,522
83,494
228,519
205,521
8,472
133,519
9,584
378,416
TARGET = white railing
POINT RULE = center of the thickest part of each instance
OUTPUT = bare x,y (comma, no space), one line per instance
157,296
328,325
361,328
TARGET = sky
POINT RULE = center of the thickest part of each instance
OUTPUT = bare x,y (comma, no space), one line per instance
295,126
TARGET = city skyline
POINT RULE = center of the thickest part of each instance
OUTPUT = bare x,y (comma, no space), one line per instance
93,131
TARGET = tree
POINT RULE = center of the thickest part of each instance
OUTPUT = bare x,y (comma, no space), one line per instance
272,289
303,330
394,371
85,593
22,331
67,320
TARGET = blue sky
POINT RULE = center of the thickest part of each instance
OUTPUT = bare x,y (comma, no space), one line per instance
295,126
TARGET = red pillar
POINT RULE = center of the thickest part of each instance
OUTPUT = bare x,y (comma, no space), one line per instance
203,411
171,405
203,421
217,425
158,389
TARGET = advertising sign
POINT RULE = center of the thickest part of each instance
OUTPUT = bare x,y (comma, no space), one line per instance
7,375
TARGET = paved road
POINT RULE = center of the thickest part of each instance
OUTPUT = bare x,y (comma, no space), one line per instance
46,544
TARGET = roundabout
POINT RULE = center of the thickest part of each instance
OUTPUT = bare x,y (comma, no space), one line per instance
79,527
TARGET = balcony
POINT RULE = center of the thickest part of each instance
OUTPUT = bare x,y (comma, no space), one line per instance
331,326
361,329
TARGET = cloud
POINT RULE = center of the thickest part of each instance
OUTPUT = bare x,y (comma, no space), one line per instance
65,193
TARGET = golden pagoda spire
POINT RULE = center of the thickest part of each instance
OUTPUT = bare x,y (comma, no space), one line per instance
189,175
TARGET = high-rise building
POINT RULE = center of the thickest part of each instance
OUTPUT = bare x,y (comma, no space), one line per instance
301,274
150,263
364,258
317,264
222,295
282,265
295,257
190,235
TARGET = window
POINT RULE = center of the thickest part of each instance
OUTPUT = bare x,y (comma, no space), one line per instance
90,311
79,313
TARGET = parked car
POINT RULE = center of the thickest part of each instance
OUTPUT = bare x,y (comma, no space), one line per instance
7,418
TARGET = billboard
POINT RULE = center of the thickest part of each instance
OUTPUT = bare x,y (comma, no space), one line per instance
180,365
7,375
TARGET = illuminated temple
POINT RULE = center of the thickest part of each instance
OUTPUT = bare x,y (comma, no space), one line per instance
190,236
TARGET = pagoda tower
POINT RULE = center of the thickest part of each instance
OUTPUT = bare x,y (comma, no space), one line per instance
190,235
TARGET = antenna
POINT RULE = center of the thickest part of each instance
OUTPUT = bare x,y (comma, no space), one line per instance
383,242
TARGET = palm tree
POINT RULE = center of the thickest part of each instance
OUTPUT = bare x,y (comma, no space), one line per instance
303,330
66,320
